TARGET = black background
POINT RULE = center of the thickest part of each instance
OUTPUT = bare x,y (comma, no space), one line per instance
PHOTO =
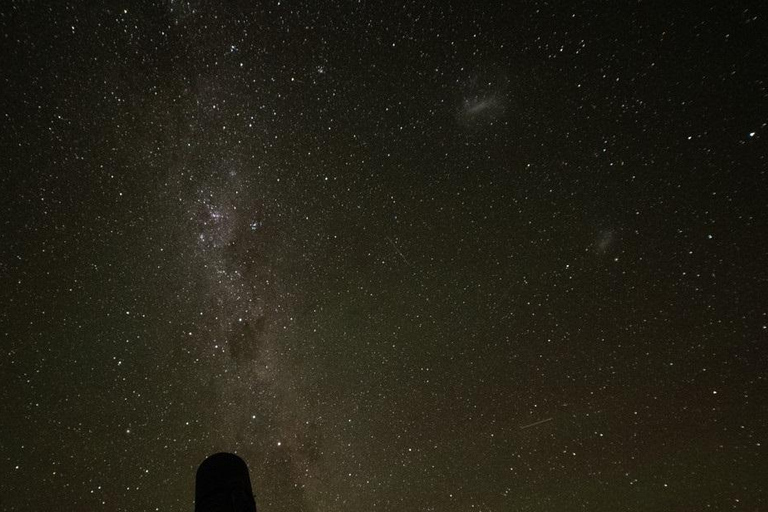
370,246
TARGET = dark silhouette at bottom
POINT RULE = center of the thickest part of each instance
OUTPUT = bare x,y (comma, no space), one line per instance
223,485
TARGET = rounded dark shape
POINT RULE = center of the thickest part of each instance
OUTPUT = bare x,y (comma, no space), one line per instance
223,485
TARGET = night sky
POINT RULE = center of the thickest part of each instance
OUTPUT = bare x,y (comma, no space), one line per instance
396,256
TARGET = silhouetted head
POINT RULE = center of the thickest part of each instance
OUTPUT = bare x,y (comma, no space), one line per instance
223,485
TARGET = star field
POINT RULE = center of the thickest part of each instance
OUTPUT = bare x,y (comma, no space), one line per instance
395,256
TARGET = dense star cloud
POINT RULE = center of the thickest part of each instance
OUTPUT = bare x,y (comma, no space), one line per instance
483,100
397,257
